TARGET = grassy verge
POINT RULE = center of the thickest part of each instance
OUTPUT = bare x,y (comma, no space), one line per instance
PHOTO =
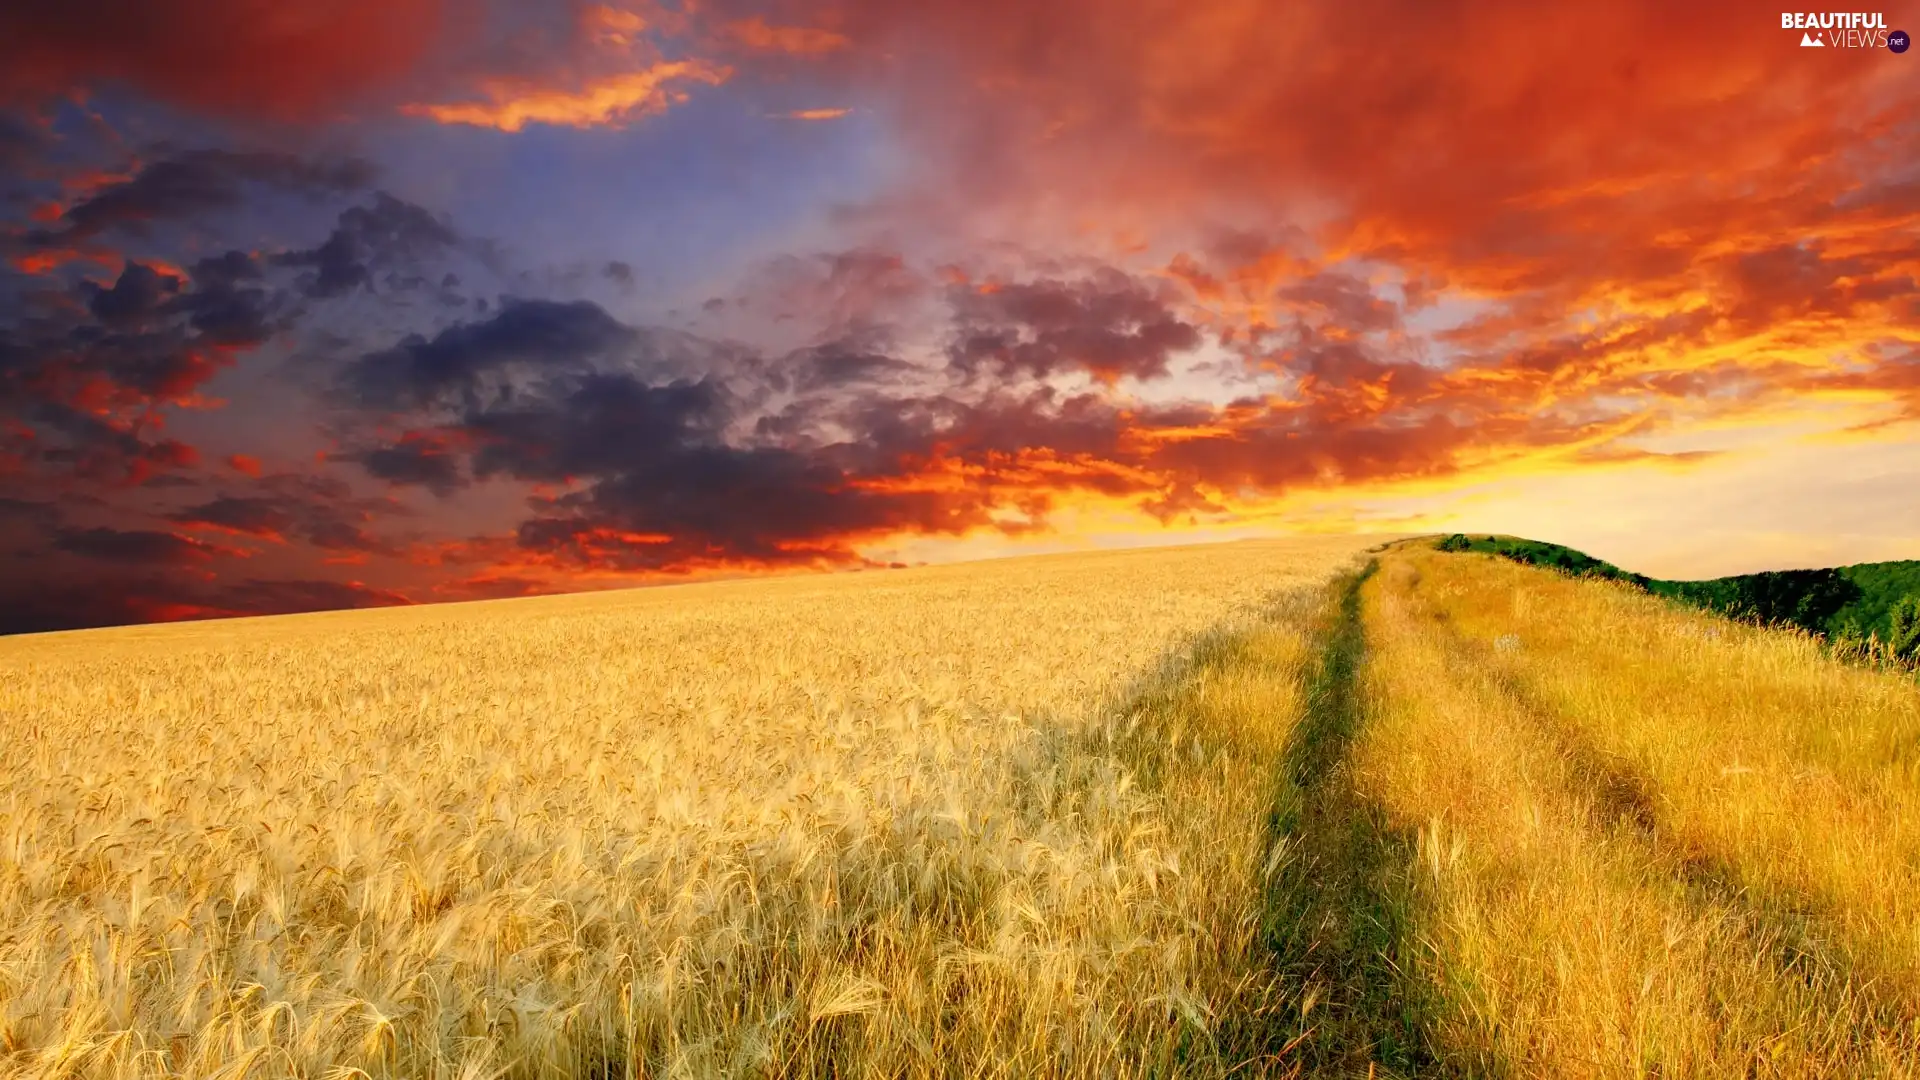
1335,927
1319,881
1337,915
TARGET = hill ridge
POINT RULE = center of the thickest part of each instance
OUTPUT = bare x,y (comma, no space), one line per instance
1855,600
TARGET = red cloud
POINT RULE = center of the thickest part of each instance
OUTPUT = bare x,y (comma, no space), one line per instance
294,59
1499,146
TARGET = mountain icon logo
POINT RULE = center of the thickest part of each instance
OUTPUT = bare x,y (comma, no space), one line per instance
1808,41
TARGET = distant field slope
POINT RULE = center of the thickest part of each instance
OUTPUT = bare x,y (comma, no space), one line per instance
1857,599
956,821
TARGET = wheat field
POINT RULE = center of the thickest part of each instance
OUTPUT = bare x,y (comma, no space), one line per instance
1281,808
1636,840
944,821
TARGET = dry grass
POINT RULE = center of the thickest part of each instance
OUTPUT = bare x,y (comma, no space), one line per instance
1642,842
958,821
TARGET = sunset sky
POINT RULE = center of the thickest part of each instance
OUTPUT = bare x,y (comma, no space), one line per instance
326,304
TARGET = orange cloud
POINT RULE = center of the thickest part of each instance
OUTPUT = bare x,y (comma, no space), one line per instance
1595,149
615,27
755,33
815,114
608,102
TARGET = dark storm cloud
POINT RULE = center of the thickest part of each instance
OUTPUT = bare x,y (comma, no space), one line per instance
319,510
536,335
723,504
198,182
120,598
29,510
654,454
269,597
135,546
367,239
602,423
255,517
33,606
89,366
231,304
697,498
225,271
1001,424
842,364
92,366
1109,325
671,472
336,265
88,447
131,346
664,480
156,364
22,139
137,294
417,462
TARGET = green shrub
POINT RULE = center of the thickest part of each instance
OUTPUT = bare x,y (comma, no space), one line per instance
1905,639
1456,542
1852,642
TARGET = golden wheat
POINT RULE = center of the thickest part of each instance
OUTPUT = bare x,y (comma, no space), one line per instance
1641,841
901,823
